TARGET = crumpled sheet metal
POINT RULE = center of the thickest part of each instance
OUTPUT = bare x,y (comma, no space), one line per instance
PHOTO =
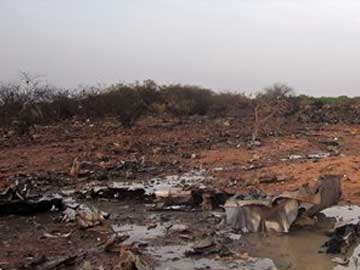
252,216
279,213
344,235
325,193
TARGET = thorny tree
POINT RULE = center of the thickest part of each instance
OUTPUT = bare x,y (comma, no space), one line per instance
33,91
273,102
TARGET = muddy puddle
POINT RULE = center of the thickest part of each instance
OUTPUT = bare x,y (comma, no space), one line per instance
167,261
167,237
168,243
139,234
298,250
196,238
301,248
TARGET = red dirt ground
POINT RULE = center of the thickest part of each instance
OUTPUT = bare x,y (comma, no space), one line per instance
169,145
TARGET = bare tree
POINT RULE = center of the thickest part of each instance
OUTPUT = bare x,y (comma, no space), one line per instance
32,91
30,82
271,102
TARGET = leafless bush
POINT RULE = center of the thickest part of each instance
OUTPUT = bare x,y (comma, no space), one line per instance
149,92
186,100
20,105
31,102
230,104
332,110
273,102
126,103
93,103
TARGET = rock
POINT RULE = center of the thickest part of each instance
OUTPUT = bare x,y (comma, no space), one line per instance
87,265
268,179
87,218
132,259
208,246
203,243
113,244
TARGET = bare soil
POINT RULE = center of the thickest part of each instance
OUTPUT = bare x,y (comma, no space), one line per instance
167,146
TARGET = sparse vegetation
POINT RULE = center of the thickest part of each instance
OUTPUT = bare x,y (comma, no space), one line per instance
272,102
186,100
30,102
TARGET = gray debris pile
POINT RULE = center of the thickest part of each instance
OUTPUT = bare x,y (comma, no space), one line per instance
176,192
342,237
114,191
281,212
346,230
84,216
20,199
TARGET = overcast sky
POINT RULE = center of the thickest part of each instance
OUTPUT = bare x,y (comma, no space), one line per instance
312,45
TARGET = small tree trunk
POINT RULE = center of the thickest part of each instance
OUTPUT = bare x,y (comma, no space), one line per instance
256,124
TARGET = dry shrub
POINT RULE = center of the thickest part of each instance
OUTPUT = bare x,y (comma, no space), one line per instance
230,104
185,100
30,102
22,106
126,103
270,105
150,95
